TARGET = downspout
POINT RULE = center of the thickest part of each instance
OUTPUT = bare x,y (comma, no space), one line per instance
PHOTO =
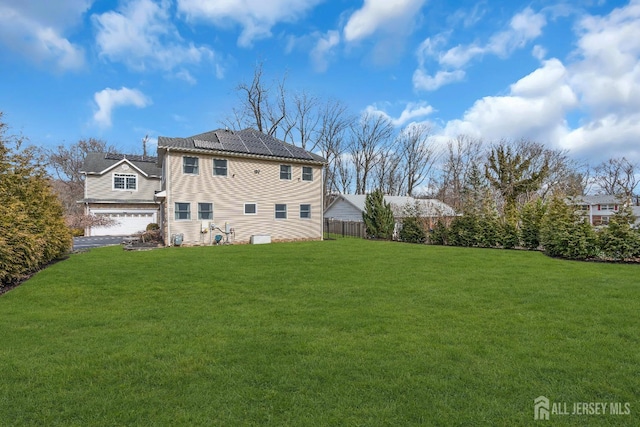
322,189
168,187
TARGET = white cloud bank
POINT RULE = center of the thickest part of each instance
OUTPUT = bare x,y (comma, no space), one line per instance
142,36
523,28
599,83
256,17
36,29
108,99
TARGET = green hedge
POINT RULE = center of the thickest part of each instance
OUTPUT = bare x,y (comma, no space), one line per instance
32,228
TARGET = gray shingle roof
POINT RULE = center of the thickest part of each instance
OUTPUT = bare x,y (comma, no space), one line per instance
598,199
96,163
247,142
427,207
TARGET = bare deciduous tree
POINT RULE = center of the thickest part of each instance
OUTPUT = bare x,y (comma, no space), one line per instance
334,122
617,177
368,136
389,171
66,163
302,123
262,106
462,154
418,156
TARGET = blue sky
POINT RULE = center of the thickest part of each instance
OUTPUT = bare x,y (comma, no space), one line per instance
565,74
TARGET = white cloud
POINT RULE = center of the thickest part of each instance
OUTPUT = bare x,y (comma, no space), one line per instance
142,36
423,81
535,108
323,50
589,105
390,16
36,30
256,17
606,75
524,27
413,110
108,99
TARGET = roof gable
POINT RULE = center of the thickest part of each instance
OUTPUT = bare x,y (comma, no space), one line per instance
101,163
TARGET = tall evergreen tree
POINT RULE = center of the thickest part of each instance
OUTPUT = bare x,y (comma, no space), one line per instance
619,240
510,174
378,216
566,234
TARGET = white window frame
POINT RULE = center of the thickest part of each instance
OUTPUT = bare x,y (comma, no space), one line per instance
126,181
200,211
308,211
175,213
276,211
226,167
310,173
288,172
251,213
184,165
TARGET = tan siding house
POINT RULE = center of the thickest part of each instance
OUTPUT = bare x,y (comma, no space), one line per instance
122,188
244,183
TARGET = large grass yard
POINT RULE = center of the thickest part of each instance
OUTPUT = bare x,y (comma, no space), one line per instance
346,332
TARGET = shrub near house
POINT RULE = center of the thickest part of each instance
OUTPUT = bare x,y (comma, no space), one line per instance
32,228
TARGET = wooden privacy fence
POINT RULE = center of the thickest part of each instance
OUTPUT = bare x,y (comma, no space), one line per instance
337,228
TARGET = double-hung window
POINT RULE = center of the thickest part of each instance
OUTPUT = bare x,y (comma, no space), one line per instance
281,211
183,211
305,211
285,172
190,165
125,181
219,167
307,173
205,211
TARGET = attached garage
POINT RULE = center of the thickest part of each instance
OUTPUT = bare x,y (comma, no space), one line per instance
127,222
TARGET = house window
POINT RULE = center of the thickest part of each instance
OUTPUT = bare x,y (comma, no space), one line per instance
285,172
307,173
250,209
607,207
123,181
281,211
183,211
190,165
205,210
305,211
220,167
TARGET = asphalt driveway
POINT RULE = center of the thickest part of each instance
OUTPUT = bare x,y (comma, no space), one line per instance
95,242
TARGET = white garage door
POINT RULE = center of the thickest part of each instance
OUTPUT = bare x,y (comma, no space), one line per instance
126,223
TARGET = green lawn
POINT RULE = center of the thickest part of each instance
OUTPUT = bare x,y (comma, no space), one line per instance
345,332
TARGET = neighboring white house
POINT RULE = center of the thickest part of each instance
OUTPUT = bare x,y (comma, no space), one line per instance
244,184
349,207
122,188
600,208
